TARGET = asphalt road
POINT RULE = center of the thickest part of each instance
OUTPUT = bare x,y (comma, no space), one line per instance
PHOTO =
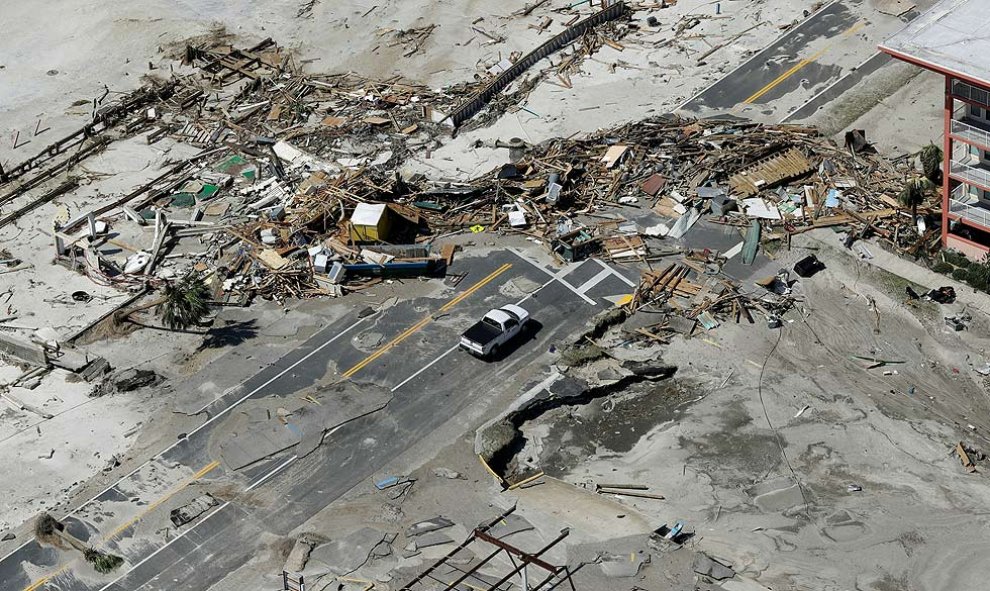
431,382
801,62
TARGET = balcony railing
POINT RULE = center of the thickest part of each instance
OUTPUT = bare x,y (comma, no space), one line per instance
976,175
971,133
973,93
971,211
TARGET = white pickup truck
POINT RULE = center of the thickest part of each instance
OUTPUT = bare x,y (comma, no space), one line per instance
498,327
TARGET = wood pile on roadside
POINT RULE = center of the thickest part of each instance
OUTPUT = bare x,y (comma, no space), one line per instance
289,161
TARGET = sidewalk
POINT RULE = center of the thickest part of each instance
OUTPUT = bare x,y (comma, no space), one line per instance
902,268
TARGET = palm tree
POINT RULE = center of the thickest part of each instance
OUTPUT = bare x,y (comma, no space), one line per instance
931,163
49,530
183,303
914,192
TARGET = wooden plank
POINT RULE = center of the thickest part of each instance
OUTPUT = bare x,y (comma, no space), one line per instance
447,253
772,170
964,458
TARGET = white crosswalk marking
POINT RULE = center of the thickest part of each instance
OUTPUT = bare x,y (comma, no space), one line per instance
601,276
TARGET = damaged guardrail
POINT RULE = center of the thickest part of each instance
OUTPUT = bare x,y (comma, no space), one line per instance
474,104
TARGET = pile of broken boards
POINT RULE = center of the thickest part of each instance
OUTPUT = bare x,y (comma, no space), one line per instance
250,232
293,192
692,292
295,188
286,196
772,181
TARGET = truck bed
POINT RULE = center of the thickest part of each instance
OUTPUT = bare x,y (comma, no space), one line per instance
481,333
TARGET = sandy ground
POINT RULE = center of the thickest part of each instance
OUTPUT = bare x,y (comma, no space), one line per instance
335,36
909,118
40,81
899,106
790,460
761,466
48,88
88,433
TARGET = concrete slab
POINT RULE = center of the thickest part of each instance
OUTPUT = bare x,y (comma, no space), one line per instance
703,565
264,427
511,524
429,525
743,585
433,539
256,443
345,555
945,38
781,499
618,566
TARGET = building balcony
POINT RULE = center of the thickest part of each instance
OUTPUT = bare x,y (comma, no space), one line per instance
971,131
978,174
971,93
968,208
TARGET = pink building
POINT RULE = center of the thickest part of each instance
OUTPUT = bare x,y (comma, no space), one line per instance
951,39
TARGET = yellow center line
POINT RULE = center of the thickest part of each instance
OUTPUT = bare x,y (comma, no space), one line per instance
214,465
37,584
202,472
476,287
199,474
419,325
405,334
801,64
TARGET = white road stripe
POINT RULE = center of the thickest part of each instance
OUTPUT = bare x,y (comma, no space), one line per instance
534,292
277,376
223,412
277,469
425,367
549,381
559,276
621,277
589,284
271,473
454,348
201,522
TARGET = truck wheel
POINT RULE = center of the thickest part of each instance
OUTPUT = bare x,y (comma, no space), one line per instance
494,352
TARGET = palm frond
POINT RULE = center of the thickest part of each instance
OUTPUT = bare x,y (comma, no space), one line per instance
931,162
186,302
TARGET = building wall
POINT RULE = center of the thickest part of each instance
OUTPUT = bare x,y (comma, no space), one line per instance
972,250
961,151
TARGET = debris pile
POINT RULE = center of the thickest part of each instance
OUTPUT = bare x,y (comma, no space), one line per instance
687,303
785,179
297,190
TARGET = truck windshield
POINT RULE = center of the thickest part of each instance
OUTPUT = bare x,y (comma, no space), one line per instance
491,322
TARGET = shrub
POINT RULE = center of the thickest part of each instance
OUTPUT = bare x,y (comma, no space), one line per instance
959,274
46,530
978,275
581,354
942,267
103,562
931,162
955,258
